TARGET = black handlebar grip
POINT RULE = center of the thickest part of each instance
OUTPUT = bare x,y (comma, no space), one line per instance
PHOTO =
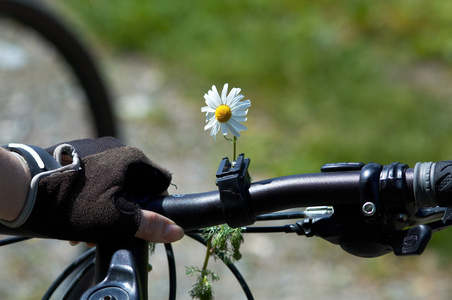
432,184
442,182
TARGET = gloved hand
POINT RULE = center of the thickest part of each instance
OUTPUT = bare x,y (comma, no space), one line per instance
93,198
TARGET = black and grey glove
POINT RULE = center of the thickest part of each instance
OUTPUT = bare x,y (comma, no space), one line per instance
92,198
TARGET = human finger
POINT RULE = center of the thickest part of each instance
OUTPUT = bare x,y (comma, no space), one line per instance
158,229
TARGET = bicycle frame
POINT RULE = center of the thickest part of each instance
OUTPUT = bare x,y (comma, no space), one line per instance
125,272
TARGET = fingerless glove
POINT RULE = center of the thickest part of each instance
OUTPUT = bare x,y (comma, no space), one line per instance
95,198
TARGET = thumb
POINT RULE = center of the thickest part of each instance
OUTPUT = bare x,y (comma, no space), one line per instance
158,229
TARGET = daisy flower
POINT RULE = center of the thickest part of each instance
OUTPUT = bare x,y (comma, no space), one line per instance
226,112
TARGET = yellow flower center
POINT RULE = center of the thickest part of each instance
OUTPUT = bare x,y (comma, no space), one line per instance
223,113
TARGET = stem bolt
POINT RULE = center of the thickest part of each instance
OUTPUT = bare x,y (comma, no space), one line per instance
369,209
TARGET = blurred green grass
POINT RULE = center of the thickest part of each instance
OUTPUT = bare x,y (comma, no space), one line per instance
329,80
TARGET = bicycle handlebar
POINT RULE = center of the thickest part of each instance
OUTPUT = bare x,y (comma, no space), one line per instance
194,211
427,185
372,203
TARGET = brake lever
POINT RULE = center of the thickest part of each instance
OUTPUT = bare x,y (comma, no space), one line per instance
444,222
414,242
447,218
427,214
363,239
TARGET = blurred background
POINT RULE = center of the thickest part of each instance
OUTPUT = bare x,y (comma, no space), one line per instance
328,82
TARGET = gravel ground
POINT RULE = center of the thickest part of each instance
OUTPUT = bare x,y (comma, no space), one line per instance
154,117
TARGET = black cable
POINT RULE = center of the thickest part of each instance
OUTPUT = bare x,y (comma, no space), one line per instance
270,229
83,259
259,229
231,267
80,276
283,216
172,271
12,240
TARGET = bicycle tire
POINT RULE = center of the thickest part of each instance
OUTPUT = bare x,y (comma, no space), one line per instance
72,52
85,262
71,56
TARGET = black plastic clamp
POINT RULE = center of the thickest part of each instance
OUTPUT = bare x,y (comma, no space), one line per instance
393,190
233,182
369,181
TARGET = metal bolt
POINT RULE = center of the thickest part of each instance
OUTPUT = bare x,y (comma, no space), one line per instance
369,209
401,218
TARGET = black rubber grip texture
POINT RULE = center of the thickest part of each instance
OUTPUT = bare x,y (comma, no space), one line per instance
442,180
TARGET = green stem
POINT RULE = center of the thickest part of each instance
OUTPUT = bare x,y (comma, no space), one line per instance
208,253
235,148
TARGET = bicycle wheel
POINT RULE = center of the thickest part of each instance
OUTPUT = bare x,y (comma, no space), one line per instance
50,91
50,87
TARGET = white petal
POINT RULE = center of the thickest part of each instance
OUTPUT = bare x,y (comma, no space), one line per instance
224,93
215,96
235,100
211,100
237,126
207,109
240,113
232,129
239,119
210,123
214,89
215,129
209,117
232,94
241,106
224,128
